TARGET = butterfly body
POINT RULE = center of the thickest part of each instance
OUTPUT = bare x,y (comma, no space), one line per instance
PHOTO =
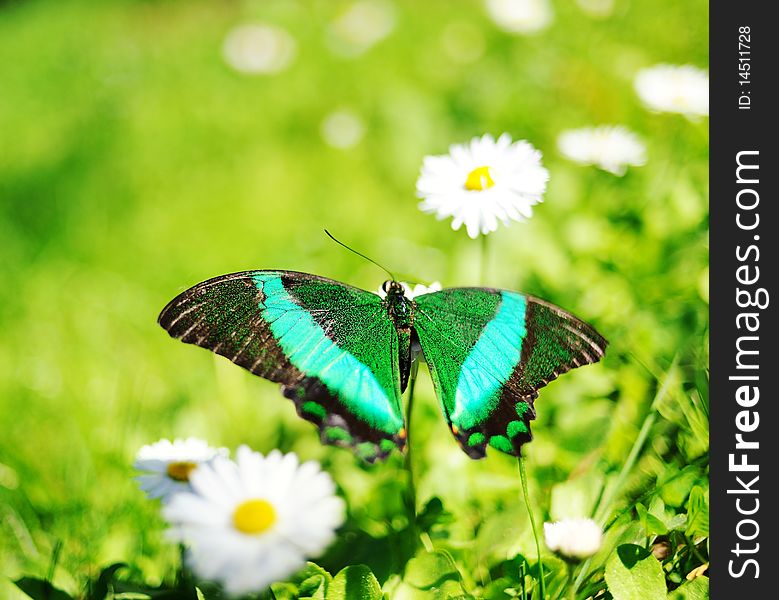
343,355
400,309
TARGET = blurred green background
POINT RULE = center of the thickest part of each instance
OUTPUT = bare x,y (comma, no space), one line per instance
135,162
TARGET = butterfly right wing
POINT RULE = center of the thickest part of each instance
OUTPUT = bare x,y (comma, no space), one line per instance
489,351
332,347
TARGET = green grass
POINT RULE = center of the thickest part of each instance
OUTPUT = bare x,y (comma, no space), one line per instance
134,163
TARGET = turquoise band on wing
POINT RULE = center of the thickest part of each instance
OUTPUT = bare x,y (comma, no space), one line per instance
308,348
491,362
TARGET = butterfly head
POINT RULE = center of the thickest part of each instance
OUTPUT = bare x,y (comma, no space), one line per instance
393,288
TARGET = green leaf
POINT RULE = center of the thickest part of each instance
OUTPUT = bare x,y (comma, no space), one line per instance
99,590
697,513
697,589
675,491
652,524
40,589
200,594
515,569
433,513
285,591
632,573
431,569
312,582
697,415
449,590
355,582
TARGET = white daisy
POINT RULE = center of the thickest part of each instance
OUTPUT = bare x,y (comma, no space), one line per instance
597,8
342,129
364,24
520,16
483,182
462,42
259,49
252,522
670,88
169,465
611,147
413,292
573,539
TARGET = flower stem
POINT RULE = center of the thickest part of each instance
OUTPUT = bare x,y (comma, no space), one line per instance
522,574
523,478
183,577
55,556
484,260
571,584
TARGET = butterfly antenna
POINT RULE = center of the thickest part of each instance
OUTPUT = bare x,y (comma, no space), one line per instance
340,243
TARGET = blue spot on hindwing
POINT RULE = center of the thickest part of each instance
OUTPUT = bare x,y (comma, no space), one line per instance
308,348
490,362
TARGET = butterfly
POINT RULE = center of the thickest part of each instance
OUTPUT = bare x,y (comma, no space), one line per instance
343,355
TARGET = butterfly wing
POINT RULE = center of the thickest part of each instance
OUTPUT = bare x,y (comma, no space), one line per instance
489,351
332,347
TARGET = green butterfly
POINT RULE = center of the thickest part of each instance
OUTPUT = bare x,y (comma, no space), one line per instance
343,355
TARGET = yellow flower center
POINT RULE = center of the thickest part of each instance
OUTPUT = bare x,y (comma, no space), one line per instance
180,471
479,179
254,516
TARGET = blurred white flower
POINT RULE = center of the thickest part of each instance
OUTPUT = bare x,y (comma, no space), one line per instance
573,539
364,24
342,129
169,465
483,182
259,49
611,147
252,522
520,16
413,292
597,8
670,88
462,42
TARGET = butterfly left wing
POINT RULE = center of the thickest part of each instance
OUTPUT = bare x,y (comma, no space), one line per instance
332,347
489,351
